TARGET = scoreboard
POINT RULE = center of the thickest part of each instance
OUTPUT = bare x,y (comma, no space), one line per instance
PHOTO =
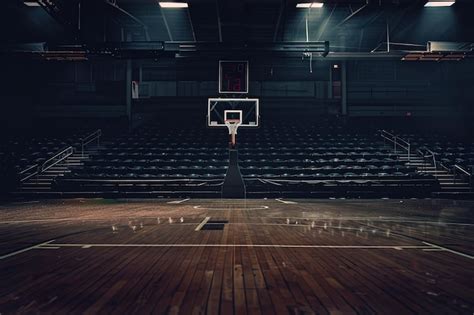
234,77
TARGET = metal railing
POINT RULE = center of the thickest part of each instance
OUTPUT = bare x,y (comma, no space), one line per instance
432,156
37,169
457,168
92,137
27,171
57,158
397,142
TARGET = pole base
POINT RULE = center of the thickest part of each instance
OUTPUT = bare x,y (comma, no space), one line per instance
234,186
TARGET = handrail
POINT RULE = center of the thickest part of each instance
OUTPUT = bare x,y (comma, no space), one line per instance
35,167
60,156
457,167
462,170
388,133
396,142
403,140
88,139
433,156
28,169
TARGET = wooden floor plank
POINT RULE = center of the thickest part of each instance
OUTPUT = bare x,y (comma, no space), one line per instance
126,256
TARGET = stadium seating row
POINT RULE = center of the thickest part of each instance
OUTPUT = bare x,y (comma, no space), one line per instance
303,159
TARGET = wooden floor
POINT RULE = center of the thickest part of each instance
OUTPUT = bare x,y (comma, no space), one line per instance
273,256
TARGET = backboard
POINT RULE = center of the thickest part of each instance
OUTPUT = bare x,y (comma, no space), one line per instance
244,109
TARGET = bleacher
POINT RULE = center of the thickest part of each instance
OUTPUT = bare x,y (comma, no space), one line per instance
18,153
23,152
448,151
304,160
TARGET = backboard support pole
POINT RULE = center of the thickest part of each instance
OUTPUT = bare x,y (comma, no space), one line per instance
233,113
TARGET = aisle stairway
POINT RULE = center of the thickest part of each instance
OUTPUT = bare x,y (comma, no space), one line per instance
42,184
450,186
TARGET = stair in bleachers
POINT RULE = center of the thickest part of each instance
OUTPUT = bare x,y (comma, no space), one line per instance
42,184
448,183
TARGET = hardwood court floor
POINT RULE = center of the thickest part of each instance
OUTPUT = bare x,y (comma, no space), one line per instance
273,256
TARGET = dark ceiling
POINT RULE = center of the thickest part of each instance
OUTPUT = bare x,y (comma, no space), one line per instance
349,25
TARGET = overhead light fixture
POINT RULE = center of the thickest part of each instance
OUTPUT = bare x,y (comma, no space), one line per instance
173,5
31,3
310,5
432,3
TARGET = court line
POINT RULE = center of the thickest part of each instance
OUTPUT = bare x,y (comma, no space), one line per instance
25,249
204,221
286,201
127,217
227,209
374,219
449,250
397,247
178,201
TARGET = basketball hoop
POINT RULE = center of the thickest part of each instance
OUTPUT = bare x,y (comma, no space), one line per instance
233,113
233,125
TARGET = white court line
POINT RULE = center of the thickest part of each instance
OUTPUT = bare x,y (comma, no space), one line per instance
227,209
199,227
374,219
397,247
178,201
449,250
286,201
309,218
24,250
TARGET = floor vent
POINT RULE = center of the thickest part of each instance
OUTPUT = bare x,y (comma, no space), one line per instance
213,226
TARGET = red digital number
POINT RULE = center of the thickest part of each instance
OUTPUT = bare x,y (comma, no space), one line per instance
237,86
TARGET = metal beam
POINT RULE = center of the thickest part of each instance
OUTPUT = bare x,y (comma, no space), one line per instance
135,19
191,23
128,90
166,25
344,88
280,15
324,25
49,8
353,14
219,25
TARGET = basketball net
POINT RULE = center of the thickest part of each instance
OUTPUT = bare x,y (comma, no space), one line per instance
233,125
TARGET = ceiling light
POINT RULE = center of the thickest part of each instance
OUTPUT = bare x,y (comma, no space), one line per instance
310,5
439,3
173,5
31,3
